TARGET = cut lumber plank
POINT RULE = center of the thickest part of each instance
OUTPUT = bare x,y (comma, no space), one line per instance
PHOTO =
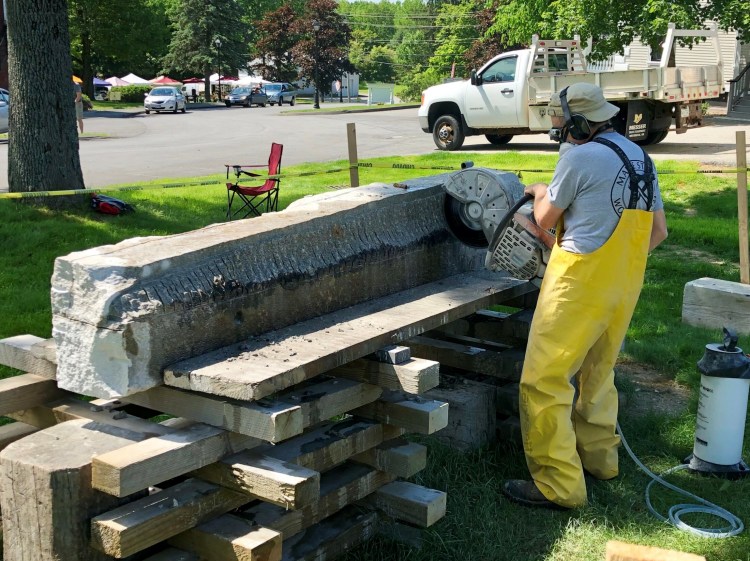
501,364
146,463
264,365
71,408
410,503
399,457
267,420
229,538
25,391
46,495
621,551
266,478
323,398
491,327
14,431
332,537
339,487
472,405
140,524
415,376
328,444
412,413
716,303
16,352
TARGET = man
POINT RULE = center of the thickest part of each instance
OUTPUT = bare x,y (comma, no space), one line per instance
612,217
79,104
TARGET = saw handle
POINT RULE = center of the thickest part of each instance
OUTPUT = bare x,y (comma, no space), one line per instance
504,222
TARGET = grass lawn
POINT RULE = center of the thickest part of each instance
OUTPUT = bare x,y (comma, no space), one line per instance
480,525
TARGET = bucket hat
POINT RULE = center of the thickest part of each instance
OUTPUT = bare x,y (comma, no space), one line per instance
587,100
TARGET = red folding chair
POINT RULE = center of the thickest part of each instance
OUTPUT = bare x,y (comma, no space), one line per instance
251,200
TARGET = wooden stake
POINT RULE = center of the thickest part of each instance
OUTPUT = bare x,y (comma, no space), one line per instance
351,138
621,551
742,206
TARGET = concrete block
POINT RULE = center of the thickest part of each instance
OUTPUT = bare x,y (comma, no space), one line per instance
717,303
122,313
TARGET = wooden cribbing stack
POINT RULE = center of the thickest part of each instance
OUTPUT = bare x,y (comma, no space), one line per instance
217,456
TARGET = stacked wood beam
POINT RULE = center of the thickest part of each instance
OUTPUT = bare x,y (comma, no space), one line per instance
178,480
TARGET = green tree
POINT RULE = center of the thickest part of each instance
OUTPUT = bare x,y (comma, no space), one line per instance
116,37
197,25
321,55
274,45
43,141
517,20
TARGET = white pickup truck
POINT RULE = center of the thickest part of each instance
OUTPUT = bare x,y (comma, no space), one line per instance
509,94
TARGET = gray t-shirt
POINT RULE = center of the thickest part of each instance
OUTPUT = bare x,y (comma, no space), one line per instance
592,185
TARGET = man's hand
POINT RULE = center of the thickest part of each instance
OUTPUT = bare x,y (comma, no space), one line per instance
536,190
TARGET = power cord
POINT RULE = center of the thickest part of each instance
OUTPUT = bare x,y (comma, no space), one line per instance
677,511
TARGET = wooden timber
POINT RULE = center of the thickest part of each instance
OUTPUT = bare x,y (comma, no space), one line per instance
398,457
330,443
276,360
332,537
148,521
505,364
23,352
266,478
270,420
46,494
621,551
415,376
339,487
410,503
25,391
410,412
142,464
14,431
716,303
230,538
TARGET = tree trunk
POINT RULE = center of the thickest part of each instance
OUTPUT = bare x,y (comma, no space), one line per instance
43,138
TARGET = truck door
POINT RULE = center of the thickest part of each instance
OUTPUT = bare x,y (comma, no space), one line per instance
493,103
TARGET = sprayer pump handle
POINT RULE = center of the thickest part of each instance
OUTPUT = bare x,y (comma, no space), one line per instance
730,339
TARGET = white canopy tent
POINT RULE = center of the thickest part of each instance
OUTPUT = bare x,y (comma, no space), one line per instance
135,80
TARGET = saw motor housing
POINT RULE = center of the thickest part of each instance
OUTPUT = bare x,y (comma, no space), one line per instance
487,208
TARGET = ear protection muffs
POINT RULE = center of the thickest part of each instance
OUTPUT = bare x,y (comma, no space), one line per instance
578,126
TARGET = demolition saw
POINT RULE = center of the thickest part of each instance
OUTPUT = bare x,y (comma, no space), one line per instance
487,208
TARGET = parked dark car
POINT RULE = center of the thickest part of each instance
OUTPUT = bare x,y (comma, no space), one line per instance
246,96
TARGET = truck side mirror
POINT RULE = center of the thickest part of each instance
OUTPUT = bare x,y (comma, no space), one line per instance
475,80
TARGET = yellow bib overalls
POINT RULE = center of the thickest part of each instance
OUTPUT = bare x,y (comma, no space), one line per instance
585,304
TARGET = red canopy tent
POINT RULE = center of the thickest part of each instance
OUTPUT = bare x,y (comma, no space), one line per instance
165,81
192,80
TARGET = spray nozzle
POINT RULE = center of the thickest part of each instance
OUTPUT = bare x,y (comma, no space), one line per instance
730,339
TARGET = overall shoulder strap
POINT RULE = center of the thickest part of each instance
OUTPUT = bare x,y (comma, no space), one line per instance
639,183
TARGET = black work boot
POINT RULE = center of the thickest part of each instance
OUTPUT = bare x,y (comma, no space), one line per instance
526,493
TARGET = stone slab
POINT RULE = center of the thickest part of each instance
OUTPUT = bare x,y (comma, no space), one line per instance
717,303
121,313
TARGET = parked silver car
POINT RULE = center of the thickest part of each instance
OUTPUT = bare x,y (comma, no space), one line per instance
280,92
4,106
164,98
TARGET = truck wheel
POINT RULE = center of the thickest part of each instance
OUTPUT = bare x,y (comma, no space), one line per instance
654,137
447,133
498,139
227,104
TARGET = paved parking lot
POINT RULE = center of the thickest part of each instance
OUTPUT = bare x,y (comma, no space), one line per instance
139,147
